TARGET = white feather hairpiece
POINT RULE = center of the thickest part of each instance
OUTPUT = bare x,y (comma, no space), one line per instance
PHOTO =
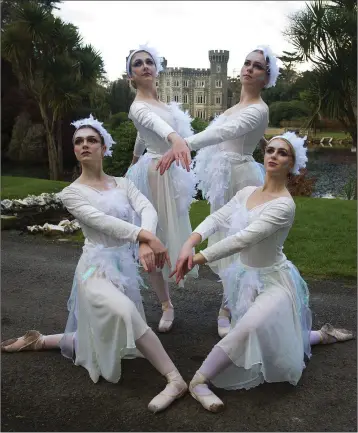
91,121
153,53
273,65
297,144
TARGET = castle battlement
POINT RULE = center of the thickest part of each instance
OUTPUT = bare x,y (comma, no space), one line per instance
219,56
186,71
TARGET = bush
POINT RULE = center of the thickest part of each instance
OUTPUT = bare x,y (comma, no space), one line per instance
117,119
199,125
124,136
301,185
287,110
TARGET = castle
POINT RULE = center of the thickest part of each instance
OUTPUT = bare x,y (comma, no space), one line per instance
204,92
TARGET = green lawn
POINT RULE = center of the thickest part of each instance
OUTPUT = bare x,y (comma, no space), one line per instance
270,132
20,187
322,242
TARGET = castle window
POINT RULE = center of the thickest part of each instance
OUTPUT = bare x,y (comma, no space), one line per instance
186,98
168,98
200,84
218,99
176,98
176,83
168,83
218,83
186,83
200,114
199,99
218,68
157,84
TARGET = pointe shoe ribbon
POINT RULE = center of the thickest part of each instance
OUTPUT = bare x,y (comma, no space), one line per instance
328,331
165,325
32,340
175,389
209,401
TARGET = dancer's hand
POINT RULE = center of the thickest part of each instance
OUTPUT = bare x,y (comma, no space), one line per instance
161,253
184,263
146,257
183,268
166,161
180,150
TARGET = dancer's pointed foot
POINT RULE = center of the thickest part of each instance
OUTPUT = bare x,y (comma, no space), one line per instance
330,335
32,340
175,389
223,322
199,389
166,322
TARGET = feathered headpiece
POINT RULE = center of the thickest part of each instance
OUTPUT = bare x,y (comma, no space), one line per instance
91,121
272,67
153,53
300,151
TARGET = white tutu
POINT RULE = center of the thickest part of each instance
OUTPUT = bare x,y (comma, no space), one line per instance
105,311
270,327
171,194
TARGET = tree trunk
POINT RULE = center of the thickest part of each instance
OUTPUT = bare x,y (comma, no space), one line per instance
59,147
353,134
51,145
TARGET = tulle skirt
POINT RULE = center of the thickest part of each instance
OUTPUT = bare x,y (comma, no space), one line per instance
171,194
270,328
221,175
106,313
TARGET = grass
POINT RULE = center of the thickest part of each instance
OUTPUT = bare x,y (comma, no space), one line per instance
319,134
322,242
20,187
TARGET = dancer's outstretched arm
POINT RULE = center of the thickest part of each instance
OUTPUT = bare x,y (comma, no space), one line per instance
276,216
241,124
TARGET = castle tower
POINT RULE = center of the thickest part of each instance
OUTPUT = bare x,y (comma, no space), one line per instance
218,81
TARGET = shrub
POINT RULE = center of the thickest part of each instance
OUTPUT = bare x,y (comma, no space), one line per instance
199,125
301,185
117,119
122,154
287,110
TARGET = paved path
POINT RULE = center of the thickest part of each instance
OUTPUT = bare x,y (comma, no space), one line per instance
41,391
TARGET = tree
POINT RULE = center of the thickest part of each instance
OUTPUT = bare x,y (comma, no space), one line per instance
124,136
54,67
120,96
117,119
325,33
287,110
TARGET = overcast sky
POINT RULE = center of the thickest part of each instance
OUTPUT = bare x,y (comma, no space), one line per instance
182,31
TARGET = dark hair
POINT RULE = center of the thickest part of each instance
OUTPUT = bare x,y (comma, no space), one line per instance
267,59
93,129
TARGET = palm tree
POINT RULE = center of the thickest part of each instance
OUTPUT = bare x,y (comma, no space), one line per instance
325,33
52,64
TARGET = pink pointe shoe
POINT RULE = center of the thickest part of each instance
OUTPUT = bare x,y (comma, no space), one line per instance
175,389
32,340
204,396
166,322
223,322
330,334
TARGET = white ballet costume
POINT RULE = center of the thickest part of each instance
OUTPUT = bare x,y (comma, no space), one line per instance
105,306
269,301
171,193
224,163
